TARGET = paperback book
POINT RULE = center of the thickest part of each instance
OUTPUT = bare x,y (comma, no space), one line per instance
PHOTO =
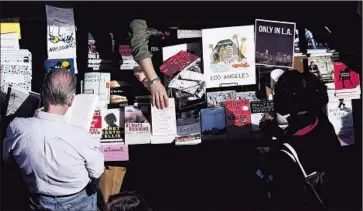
98,83
238,116
213,121
217,99
188,128
137,124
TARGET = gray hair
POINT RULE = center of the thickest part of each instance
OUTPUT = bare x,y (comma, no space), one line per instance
58,88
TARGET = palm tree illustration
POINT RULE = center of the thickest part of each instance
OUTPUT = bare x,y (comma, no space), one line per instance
243,40
235,37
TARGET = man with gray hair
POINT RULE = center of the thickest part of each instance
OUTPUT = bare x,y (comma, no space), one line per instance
60,163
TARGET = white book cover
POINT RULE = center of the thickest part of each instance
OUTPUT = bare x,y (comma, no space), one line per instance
229,56
137,126
99,84
9,41
163,123
340,114
82,111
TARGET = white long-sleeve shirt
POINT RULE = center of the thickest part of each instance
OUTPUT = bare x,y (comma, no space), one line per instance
55,158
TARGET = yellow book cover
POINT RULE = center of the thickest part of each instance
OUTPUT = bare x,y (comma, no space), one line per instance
10,28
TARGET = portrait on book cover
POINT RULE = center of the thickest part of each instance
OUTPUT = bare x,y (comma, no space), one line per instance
111,124
322,66
275,43
229,56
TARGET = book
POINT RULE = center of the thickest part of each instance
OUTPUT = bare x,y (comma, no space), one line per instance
118,93
346,81
94,60
217,99
163,122
340,114
82,111
56,64
9,41
188,128
16,69
250,95
113,125
275,43
238,116
229,56
22,103
258,108
99,84
137,124
213,121
96,125
177,63
321,65
128,62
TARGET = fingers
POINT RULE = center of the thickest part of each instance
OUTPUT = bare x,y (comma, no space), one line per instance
157,100
154,99
166,100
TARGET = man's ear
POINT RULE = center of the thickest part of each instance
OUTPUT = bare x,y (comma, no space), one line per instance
72,100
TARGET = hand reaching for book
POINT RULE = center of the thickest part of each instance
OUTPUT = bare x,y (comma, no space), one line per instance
159,96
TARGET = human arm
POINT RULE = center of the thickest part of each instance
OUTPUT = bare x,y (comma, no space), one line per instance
141,54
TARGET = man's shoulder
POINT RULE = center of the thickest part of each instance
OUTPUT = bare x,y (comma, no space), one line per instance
21,124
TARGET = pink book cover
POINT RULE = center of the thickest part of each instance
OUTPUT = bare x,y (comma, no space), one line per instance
125,50
344,77
115,151
177,63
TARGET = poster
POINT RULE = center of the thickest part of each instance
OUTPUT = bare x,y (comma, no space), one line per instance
229,56
275,43
61,33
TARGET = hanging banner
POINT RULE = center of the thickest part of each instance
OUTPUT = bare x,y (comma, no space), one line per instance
229,56
61,33
275,43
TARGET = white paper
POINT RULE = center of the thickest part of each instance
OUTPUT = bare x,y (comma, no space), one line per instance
185,33
9,41
222,65
81,112
61,33
164,123
190,75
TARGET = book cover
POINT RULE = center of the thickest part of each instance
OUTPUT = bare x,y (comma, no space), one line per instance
56,64
16,69
95,62
99,84
177,63
275,43
128,62
22,103
163,121
250,95
229,56
312,45
188,128
113,125
96,125
118,93
345,78
213,121
258,108
340,114
322,66
193,48
137,124
238,117
217,99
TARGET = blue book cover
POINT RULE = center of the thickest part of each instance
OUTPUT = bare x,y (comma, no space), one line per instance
55,64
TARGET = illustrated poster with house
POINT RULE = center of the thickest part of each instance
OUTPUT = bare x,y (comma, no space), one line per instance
275,43
229,56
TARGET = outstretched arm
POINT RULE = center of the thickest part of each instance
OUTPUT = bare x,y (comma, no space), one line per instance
141,54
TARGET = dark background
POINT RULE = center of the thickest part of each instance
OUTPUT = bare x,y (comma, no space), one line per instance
217,175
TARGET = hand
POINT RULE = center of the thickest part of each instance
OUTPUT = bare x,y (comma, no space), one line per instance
159,96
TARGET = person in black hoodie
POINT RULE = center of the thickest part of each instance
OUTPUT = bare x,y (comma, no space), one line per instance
302,97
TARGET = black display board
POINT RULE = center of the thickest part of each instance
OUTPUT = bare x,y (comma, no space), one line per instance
217,175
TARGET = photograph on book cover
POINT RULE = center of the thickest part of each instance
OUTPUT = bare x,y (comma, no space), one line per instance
322,66
229,56
61,33
213,121
275,43
112,124
56,64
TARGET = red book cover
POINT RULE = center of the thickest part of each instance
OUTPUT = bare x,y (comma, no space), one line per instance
344,77
238,115
96,125
177,63
125,50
